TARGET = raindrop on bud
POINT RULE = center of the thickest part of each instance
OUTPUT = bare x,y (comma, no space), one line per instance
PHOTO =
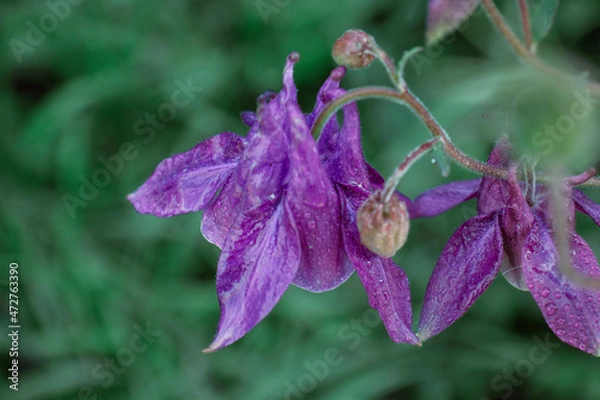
354,49
383,226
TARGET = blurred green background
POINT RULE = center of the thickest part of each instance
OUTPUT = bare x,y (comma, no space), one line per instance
94,274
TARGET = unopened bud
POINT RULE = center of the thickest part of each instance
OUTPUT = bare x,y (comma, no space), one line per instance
354,49
383,225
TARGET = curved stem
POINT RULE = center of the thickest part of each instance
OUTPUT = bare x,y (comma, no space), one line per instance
407,98
525,53
526,23
413,157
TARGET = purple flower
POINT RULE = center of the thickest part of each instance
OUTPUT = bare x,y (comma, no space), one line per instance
282,208
445,16
507,223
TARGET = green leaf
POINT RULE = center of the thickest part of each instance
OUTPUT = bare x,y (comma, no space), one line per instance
542,13
445,16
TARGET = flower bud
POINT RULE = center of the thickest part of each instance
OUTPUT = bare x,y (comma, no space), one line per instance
354,49
383,226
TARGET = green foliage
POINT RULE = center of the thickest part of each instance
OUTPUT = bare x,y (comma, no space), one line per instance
94,274
542,13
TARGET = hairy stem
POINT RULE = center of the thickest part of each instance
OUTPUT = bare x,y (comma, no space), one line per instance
527,55
526,24
407,98
414,156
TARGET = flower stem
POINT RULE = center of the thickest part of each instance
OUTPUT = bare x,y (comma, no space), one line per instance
407,98
525,53
414,156
526,23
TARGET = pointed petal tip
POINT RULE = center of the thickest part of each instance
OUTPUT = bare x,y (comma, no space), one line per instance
338,73
415,340
422,337
294,57
214,347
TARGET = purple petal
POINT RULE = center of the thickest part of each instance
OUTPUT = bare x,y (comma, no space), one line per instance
466,267
316,210
187,182
258,263
445,16
341,150
333,82
223,211
249,118
493,192
386,284
515,219
586,205
261,251
571,311
442,198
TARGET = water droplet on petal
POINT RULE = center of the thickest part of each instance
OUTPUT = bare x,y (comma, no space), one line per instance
385,296
550,309
545,292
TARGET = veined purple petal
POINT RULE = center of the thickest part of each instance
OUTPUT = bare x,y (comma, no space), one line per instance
316,210
466,267
442,198
333,82
288,94
258,263
222,212
445,16
586,205
386,284
261,251
187,182
571,311
493,192
224,209
341,150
